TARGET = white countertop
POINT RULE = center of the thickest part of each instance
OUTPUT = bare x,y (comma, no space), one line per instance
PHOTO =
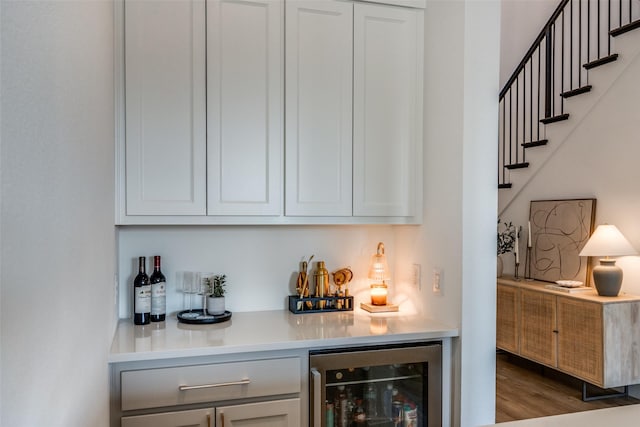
268,331
618,416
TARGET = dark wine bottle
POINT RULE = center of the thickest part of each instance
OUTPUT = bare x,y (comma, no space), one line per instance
141,295
158,292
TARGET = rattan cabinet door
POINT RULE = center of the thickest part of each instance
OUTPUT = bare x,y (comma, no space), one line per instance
537,331
580,347
508,318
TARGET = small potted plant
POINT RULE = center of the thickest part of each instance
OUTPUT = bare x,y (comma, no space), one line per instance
506,242
215,305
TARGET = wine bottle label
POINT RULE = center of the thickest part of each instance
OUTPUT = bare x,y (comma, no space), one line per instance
158,298
142,299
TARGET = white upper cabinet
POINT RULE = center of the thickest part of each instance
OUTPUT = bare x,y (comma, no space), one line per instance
228,117
165,107
244,107
319,58
353,109
387,118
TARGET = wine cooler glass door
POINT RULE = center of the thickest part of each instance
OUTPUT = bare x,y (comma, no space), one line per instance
399,387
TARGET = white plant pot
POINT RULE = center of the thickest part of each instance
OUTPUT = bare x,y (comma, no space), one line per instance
215,306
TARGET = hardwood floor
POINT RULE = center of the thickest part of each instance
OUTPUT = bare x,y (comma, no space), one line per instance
527,390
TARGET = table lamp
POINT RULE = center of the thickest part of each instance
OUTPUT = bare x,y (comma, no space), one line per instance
607,241
379,272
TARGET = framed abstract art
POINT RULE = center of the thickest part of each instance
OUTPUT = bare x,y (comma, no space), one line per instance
559,230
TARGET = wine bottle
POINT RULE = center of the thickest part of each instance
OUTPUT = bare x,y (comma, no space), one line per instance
158,292
141,295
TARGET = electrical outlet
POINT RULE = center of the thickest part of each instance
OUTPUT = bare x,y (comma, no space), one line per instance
437,281
416,276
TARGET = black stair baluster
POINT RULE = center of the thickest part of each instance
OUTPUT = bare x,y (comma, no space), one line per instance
548,72
570,46
620,13
599,33
562,65
580,42
510,125
609,27
531,100
588,33
517,115
504,126
538,109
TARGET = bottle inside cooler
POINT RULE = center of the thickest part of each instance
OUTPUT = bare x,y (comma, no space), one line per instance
385,396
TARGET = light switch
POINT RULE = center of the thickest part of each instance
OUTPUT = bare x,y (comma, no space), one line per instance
437,281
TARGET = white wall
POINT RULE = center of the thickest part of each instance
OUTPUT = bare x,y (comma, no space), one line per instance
1,210
58,241
460,197
521,22
261,262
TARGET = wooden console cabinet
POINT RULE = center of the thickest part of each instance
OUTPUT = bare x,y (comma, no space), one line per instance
593,338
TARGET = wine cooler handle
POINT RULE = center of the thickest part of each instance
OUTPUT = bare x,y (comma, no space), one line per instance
317,393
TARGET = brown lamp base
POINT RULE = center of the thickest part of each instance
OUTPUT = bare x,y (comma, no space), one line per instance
378,308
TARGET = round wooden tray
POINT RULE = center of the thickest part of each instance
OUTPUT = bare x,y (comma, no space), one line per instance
199,317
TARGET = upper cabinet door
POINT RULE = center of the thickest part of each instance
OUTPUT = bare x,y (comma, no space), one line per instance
245,107
387,115
319,108
165,107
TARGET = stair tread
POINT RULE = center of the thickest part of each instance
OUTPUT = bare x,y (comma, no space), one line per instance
625,28
577,91
554,119
538,143
601,61
517,165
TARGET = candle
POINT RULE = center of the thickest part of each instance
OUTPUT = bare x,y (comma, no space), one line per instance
516,246
379,294
529,240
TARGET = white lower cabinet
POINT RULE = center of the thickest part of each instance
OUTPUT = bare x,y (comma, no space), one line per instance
277,413
258,392
193,418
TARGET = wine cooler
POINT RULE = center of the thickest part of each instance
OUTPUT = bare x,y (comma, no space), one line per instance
387,386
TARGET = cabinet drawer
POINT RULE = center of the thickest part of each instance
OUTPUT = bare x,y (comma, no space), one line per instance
153,388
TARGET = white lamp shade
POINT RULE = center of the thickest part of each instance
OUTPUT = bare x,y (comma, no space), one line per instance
607,240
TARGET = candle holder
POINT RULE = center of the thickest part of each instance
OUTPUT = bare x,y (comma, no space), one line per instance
516,252
527,265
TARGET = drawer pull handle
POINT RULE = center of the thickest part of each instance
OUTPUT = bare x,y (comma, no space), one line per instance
197,387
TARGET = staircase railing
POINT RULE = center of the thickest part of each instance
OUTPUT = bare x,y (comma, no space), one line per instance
575,39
